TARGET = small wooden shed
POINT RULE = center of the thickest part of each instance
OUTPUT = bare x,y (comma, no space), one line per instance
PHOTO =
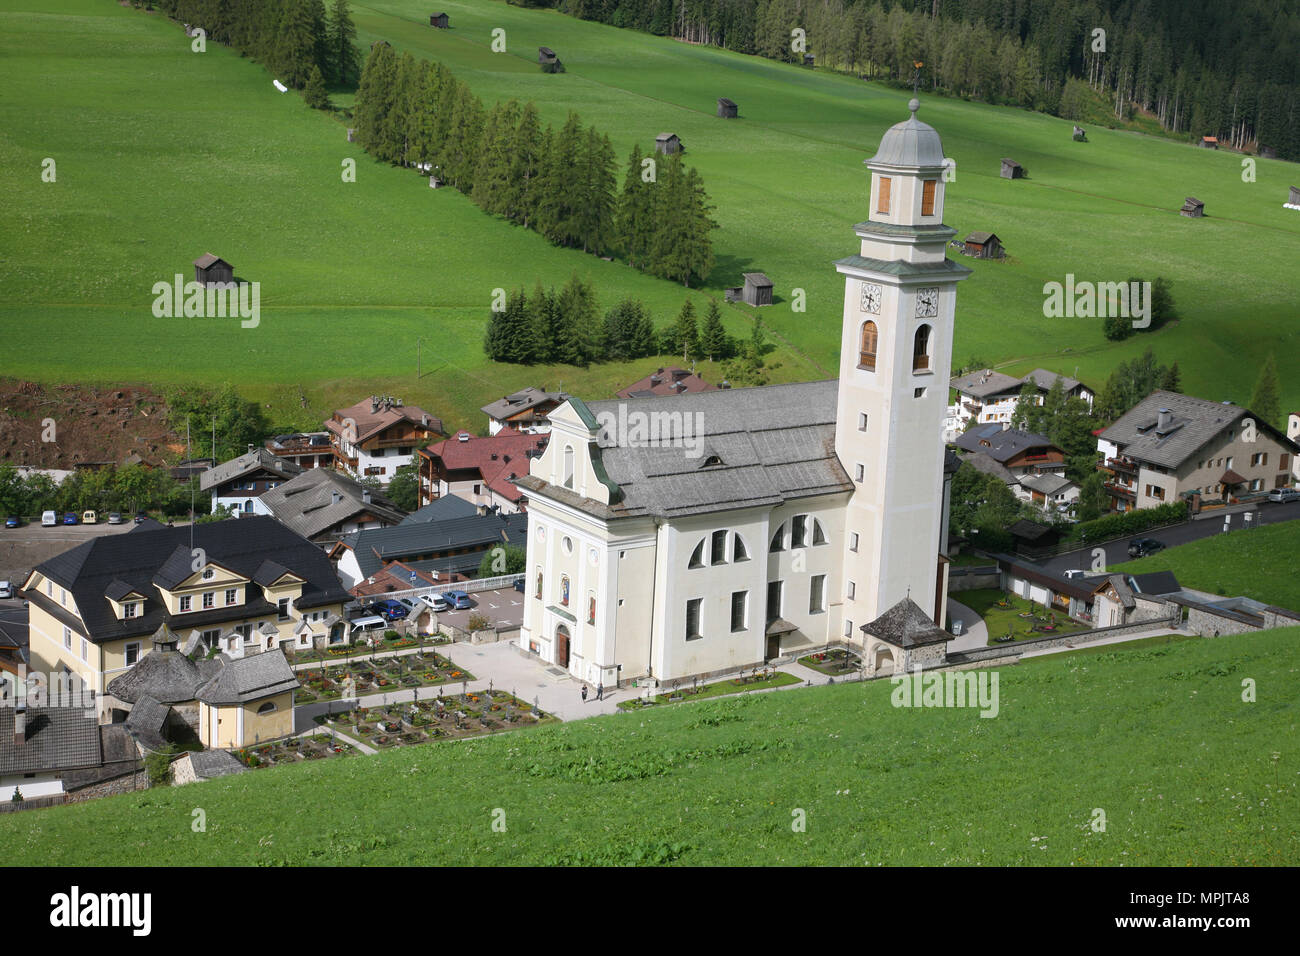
1267,152
757,289
546,56
1079,135
1294,199
727,109
1210,142
439,20
668,143
983,245
352,134
1193,208
209,268
1012,169
808,59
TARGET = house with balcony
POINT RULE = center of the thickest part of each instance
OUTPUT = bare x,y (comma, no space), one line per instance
523,411
1172,446
987,396
305,449
322,505
480,470
378,435
239,484
239,587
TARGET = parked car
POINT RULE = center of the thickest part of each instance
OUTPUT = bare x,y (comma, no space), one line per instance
6,590
140,516
364,625
410,605
389,610
13,521
1141,547
1073,573
49,519
1284,495
457,599
434,601
89,517
71,518
115,517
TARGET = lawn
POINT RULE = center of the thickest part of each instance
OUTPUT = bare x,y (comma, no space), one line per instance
721,782
682,692
163,154
1002,621
1258,564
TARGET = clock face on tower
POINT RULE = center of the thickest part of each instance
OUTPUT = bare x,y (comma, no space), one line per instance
927,303
871,298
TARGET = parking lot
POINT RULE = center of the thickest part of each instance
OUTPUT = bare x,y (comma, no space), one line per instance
21,549
504,607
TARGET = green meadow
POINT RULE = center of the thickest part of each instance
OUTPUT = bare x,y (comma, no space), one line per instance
163,154
1255,563
1119,756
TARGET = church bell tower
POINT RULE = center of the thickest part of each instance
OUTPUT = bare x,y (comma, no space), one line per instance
895,358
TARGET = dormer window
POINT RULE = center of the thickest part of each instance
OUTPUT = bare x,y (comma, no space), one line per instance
186,602
710,461
130,609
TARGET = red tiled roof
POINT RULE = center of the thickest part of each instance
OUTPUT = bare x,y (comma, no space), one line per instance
667,381
509,446
370,422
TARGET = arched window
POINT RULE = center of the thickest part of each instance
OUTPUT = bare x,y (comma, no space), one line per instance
267,708
778,540
568,466
819,533
697,556
921,350
719,548
867,348
739,550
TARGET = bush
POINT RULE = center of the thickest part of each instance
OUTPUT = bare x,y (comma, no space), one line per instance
478,622
159,766
1129,522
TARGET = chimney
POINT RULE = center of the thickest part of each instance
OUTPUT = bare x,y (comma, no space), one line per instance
335,497
20,726
482,509
251,446
365,495
1162,419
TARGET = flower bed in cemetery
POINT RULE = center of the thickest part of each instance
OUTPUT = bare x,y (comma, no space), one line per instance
293,750
378,676
438,718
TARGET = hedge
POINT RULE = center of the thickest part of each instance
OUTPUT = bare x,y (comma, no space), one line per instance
1128,522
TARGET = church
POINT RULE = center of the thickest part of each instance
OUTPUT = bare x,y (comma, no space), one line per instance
686,536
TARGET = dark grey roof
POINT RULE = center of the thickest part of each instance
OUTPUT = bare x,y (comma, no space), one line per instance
259,459
268,572
306,504
1000,444
909,143
983,463
120,589
1155,582
375,547
517,402
57,738
758,279
164,674
210,764
1124,592
147,722
249,679
776,443
442,509
951,461
1046,484
1193,422
906,625
979,238
241,545
1045,379
985,383
1028,530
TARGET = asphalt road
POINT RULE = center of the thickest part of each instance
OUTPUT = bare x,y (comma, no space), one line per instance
21,549
1117,551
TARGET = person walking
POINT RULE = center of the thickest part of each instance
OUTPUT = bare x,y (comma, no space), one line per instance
584,693
600,691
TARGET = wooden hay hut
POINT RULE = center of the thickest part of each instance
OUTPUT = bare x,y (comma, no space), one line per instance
1209,142
439,20
209,268
727,109
546,56
757,289
809,59
352,134
668,143
1193,208
983,245
1294,200
1079,135
1267,152
1012,169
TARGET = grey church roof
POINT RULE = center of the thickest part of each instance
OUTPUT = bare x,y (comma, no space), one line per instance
909,143
906,625
773,444
249,679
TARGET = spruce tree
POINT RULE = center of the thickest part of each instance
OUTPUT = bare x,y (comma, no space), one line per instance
634,221
341,36
579,332
1264,401
545,322
713,337
527,150
314,93
492,173
685,334
558,213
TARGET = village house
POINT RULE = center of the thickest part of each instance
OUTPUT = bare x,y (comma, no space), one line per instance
720,529
523,411
322,505
480,470
1020,452
378,435
1172,446
52,754
241,587
454,545
669,380
990,396
304,449
239,484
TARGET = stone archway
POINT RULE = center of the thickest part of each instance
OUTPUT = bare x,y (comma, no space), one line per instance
562,646
882,660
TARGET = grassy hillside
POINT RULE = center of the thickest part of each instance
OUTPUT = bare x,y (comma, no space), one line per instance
1154,735
1255,563
164,154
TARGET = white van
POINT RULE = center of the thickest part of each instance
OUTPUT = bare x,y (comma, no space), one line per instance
362,626
49,519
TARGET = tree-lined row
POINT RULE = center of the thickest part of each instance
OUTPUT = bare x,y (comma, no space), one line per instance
562,184
1196,65
296,40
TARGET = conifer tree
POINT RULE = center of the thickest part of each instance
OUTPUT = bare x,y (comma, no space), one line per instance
545,322
527,150
579,332
314,93
558,213
685,335
341,36
492,172
1264,401
713,337
634,221
595,192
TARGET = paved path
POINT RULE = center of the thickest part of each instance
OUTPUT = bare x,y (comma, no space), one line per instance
974,632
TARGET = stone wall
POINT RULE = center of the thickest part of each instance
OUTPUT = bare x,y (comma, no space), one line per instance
973,578
1207,623
1057,640
127,783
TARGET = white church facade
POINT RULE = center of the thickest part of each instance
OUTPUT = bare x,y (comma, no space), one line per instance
697,534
